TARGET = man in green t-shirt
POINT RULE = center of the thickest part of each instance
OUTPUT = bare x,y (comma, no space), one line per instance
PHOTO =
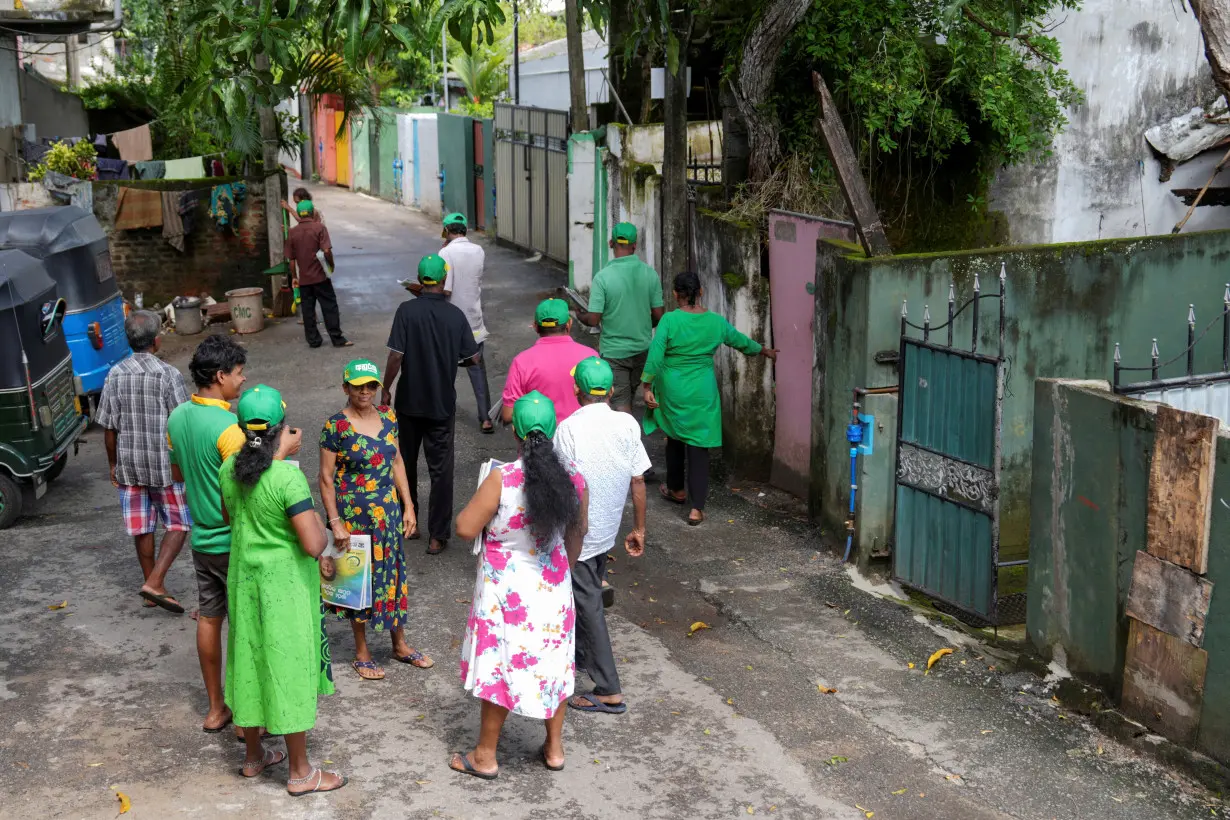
626,299
202,433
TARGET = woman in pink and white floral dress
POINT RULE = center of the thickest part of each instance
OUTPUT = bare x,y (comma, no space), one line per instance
518,651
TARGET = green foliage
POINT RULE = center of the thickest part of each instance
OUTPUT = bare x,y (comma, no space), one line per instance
480,110
482,71
79,161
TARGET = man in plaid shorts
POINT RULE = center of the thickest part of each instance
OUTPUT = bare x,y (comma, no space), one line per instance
139,394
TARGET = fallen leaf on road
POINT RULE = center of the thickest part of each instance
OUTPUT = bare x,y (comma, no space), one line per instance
847,612
328,762
1100,748
697,627
125,803
708,731
837,760
736,489
659,621
987,731
730,702
676,713
866,812
1063,717
935,656
953,777
422,782
462,600
60,605
651,600
963,663
899,792
23,764
749,667
910,665
94,765
751,810
827,690
922,794
730,521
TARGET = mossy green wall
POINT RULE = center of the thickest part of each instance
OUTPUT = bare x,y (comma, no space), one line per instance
1066,307
387,128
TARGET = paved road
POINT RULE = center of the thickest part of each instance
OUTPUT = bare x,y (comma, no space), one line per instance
726,723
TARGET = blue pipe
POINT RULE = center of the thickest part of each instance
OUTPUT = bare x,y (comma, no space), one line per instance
854,435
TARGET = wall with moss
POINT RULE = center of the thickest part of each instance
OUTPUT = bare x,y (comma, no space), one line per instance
1066,307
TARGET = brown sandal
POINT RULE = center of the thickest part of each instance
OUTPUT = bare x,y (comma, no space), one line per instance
671,497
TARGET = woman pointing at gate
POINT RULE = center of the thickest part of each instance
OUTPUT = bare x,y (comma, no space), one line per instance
681,390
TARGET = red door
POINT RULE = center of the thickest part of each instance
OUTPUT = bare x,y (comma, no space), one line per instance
480,179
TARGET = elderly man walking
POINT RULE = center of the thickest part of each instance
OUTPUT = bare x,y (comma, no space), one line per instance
626,300
464,287
429,340
606,448
138,396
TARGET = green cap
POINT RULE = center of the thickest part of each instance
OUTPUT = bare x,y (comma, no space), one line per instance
432,270
593,376
455,218
305,207
533,411
260,408
551,313
361,371
624,233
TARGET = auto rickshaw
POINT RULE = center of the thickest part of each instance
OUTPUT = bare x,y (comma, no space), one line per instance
73,247
40,417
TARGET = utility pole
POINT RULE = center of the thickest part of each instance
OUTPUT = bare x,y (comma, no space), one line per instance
272,173
675,214
444,59
516,55
576,66
72,65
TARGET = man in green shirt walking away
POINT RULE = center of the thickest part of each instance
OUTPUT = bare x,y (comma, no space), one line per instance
626,299
202,433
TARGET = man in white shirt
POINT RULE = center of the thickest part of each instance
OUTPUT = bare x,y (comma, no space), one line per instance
605,445
464,288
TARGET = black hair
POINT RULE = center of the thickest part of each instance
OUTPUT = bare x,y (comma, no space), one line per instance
214,355
142,328
552,331
456,229
550,497
254,458
302,195
687,284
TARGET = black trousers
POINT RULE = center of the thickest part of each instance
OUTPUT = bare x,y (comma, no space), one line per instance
697,460
435,438
593,640
320,292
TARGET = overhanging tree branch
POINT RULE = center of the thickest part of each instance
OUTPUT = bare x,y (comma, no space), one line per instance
1024,39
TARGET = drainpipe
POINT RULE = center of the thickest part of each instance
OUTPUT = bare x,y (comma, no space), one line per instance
857,431
116,23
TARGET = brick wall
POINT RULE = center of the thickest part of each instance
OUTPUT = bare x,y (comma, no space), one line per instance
213,262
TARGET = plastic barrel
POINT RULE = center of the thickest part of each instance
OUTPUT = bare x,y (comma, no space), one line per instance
188,319
247,313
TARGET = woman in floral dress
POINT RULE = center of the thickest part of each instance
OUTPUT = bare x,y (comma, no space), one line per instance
364,489
518,650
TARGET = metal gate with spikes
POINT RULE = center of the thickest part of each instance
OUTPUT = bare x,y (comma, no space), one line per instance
949,420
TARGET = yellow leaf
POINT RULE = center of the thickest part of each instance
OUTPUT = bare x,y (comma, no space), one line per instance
751,810
910,665
60,605
697,627
1100,750
899,792
93,765
730,702
866,812
749,667
953,777
125,803
987,731
422,782
935,656
708,732
826,689
651,600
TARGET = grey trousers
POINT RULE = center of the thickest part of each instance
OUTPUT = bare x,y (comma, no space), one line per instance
592,639
478,380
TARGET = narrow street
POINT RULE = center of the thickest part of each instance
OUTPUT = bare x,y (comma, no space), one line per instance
104,695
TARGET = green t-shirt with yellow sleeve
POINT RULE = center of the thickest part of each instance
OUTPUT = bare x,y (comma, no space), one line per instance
202,433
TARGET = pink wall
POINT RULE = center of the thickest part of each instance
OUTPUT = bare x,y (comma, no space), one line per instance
792,267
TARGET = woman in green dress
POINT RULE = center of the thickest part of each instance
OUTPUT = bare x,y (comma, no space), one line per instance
277,653
681,391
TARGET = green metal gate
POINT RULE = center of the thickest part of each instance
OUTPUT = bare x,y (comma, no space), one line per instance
946,532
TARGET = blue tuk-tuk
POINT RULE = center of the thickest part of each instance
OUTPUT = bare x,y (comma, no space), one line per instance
73,249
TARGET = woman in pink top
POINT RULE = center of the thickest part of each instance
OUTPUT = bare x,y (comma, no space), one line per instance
547,366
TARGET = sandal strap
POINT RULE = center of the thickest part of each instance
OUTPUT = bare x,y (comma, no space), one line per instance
264,762
299,781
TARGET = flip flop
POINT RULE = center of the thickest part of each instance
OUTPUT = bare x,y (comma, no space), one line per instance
217,729
416,659
319,774
543,754
665,492
367,665
263,763
468,768
488,429
696,522
436,551
165,601
596,705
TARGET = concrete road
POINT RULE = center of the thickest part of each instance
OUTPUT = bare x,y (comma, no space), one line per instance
104,695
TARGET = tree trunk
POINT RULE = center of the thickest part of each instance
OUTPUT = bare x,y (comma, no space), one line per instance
754,82
736,150
272,173
674,169
1214,18
578,106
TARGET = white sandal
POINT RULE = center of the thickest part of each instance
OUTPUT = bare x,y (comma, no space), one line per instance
262,764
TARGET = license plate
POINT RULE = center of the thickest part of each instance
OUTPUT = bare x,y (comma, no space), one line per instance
40,487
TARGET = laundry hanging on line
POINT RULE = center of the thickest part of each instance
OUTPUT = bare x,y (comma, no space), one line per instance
224,204
135,144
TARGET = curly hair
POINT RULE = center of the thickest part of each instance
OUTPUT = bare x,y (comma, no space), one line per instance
550,497
257,454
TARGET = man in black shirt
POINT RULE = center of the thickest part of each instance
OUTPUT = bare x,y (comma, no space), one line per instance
438,338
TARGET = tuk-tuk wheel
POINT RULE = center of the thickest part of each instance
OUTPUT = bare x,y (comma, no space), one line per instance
10,501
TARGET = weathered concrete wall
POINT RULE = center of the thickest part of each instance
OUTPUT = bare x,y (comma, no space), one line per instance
584,176
1137,67
1066,307
54,113
728,260
1091,457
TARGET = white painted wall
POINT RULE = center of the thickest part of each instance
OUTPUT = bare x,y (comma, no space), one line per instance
544,73
582,156
1139,63
429,165
292,162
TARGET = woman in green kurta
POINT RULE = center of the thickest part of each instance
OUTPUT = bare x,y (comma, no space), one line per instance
681,390
277,653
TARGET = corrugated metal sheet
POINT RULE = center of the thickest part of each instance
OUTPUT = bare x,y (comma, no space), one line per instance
531,159
1211,399
950,401
944,549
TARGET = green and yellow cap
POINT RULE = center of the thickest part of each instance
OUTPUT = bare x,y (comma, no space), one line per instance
432,269
551,313
624,234
533,412
305,207
455,218
361,371
260,408
593,376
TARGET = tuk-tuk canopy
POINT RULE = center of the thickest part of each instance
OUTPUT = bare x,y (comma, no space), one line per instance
73,247
27,298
